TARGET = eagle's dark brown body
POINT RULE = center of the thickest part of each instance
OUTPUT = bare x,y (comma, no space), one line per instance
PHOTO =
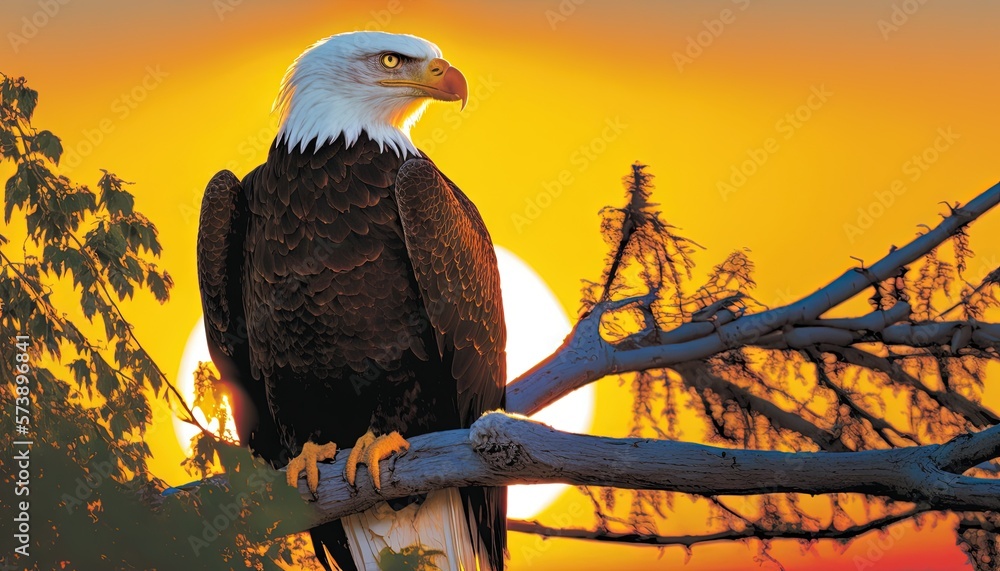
345,290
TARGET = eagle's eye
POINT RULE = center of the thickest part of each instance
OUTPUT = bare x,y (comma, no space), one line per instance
390,60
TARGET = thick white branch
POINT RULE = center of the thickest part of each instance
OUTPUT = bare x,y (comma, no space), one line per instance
502,450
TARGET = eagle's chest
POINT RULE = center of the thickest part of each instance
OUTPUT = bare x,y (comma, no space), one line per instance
330,279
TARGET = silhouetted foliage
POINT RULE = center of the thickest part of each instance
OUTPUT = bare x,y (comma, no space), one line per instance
70,256
747,397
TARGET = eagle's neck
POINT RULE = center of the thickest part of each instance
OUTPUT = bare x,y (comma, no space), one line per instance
325,112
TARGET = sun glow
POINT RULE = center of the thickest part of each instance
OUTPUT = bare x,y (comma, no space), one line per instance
196,351
536,326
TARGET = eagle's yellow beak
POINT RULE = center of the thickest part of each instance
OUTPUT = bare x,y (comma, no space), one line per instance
439,81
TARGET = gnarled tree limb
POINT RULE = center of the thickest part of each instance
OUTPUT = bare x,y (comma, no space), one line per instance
501,450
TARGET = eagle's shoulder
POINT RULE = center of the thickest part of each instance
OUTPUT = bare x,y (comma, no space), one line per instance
423,169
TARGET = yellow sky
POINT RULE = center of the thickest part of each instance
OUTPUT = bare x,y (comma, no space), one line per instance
829,107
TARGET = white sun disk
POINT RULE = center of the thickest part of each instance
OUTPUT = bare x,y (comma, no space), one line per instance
536,326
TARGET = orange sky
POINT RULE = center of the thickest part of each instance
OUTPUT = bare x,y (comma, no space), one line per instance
833,106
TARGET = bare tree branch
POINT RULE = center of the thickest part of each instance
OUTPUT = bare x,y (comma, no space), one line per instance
698,376
585,357
979,416
501,450
749,532
844,397
967,450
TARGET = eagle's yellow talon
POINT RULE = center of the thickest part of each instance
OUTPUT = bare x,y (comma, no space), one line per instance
307,461
351,471
370,450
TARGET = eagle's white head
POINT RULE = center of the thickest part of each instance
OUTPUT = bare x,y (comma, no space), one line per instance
375,82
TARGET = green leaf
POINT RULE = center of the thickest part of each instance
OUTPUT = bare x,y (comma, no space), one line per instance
15,195
74,336
42,331
73,261
53,259
133,269
115,242
49,145
122,353
119,203
81,197
114,197
88,302
27,99
109,324
106,380
7,91
8,145
147,236
158,286
120,425
146,368
81,373
120,283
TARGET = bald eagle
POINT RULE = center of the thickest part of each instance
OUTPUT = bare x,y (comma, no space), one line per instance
352,298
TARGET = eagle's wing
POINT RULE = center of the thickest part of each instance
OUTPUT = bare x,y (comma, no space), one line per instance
456,269
221,232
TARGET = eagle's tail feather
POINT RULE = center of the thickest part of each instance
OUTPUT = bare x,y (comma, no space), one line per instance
428,534
486,511
331,537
